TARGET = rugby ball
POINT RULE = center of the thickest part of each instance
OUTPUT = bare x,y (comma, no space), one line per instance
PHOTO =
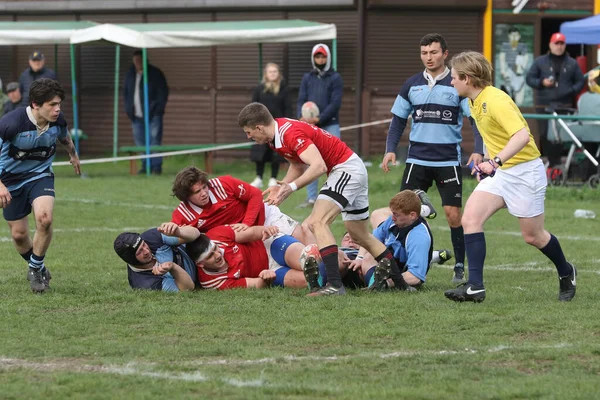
310,110
312,250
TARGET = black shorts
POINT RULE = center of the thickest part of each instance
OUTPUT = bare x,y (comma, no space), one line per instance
22,198
447,179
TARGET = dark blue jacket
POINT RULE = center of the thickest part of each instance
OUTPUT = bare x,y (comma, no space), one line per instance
158,91
569,84
326,91
27,78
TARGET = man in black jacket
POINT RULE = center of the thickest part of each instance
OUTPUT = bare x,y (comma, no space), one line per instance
558,79
37,70
158,94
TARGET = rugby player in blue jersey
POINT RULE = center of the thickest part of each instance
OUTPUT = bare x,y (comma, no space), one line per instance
28,139
434,153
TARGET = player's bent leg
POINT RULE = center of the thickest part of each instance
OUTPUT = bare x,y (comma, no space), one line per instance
303,234
43,210
294,279
457,236
380,215
534,234
19,230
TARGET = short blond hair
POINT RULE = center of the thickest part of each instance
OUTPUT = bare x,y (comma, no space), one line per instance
475,66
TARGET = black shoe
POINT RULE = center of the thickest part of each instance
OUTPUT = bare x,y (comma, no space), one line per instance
311,273
39,281
459,273
426,202
382,273
467,292
568,284
328,290
445,255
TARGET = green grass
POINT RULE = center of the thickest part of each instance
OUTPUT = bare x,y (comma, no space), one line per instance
93,337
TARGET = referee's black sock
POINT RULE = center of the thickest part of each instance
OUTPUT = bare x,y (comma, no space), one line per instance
329,255
554,252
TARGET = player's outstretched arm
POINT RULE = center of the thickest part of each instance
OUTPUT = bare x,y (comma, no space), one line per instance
186,234
294,172
183,281
73,157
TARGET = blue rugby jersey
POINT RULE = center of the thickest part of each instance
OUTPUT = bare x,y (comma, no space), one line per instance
164,248
25,154
437,117
412,246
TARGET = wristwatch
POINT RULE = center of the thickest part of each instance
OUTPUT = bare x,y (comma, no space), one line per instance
498,161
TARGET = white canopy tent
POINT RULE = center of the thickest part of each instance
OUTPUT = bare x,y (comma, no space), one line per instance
195,34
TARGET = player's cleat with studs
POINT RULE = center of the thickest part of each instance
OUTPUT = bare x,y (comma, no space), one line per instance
382,273
311,273
426,202
568,284
39,281
459,273
328,290
466,292
444,255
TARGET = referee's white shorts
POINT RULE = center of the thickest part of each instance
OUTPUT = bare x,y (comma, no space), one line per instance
522,187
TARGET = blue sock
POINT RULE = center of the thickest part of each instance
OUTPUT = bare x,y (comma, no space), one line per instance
369,278
36,262
554,252
475,249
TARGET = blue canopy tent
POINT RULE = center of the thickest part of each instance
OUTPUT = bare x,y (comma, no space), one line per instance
582,31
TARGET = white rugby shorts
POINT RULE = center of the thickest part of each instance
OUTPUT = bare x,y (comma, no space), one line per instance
274,217
347,185
522,187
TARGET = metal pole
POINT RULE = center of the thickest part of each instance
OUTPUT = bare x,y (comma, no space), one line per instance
334,51
260,61
74,95
146,109
116,105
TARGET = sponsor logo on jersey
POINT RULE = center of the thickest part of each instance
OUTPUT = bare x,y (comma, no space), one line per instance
447,115
299,144
484,107
242,190
235,249
237,274
200,223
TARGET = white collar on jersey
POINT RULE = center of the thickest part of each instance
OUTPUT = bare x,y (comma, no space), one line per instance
134,269
40,130
431,81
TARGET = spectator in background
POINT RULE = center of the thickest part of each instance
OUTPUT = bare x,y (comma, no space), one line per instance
36,70
14,99
558,79
3,99
323,86
274,94
158,94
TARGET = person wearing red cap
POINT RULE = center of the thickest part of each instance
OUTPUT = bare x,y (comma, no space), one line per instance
557,78
323,86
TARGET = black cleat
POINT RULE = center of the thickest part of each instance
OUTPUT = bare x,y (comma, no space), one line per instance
466,292
459,274
39,281
328,290
426,202
444,255
568,284
311,273
382,273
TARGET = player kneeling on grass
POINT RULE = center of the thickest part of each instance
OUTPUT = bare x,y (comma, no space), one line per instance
257,257
514,178
157,260
408,237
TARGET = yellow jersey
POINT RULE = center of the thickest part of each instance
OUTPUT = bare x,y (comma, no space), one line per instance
498,118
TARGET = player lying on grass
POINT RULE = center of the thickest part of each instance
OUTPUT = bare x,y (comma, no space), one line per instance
157,260
407,236
225,200
256,257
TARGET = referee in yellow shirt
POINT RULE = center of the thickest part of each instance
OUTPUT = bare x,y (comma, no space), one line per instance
513,177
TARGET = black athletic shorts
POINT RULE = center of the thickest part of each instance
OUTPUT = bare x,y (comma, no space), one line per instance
22,198
447,179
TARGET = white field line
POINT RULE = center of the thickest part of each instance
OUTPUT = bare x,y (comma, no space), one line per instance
196,376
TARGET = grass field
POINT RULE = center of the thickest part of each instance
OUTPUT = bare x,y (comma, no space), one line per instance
93,337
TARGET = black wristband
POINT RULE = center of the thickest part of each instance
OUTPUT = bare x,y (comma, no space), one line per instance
498,161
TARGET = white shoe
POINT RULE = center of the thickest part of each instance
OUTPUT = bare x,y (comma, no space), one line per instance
273,182
257,182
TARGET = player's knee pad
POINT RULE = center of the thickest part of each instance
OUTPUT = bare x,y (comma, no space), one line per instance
280,274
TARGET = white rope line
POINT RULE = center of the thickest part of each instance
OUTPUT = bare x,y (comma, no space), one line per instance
194,151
